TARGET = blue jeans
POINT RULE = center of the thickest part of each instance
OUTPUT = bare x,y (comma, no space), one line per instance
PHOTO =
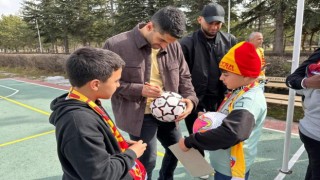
167,134
219,176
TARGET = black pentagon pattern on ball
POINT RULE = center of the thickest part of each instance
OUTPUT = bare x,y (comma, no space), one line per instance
163,110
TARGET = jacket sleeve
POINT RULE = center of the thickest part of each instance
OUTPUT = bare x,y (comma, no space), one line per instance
130,91
127,90
87,153
187,49
186,88
236,127
294,80
234,40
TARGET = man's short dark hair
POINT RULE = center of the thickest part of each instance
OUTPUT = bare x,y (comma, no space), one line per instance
170,20
86,64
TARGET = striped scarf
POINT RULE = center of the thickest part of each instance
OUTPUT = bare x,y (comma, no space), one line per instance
138,171
237,159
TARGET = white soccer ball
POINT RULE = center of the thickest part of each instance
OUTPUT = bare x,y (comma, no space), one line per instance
167,107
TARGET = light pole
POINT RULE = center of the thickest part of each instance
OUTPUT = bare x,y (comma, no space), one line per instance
39,36
229,7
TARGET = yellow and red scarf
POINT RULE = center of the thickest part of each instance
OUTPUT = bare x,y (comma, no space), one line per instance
237,159
138,171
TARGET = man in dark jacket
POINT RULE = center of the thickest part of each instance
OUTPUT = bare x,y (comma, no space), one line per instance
203,50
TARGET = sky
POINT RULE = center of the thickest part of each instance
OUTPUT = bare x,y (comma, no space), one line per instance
10,7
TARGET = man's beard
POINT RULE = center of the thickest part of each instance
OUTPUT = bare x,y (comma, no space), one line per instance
208,34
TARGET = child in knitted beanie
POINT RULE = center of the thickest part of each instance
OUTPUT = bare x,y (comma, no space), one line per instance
233,145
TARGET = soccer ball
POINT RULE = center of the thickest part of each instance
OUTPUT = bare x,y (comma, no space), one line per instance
207,121
167,107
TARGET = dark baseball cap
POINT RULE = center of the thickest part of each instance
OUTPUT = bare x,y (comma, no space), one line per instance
213,12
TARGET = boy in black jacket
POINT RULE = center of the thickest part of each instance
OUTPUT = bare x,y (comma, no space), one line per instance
88,143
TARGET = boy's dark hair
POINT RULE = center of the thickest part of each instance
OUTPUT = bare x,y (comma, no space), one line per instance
169,20
86,64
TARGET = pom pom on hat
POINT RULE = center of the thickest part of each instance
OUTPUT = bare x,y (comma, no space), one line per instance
242,59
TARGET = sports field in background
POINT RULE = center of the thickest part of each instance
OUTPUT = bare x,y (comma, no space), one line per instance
28,145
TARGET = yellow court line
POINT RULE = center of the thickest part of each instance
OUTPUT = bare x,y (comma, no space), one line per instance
26,106
37,135
26,138
160,154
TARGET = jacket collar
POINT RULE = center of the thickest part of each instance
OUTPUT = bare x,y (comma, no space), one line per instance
139,39
203,38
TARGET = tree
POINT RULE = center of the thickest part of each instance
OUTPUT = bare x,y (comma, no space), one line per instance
65,19
13,33
312,24
138,13
42,12
266,10
87,14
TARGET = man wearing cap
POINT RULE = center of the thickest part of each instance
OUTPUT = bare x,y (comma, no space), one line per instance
203,50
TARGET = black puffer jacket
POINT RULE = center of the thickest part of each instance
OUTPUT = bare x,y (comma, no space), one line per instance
203,60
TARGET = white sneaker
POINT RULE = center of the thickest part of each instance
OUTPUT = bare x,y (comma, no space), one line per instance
204,177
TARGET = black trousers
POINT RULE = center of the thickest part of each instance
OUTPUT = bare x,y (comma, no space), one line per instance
167,133
313,150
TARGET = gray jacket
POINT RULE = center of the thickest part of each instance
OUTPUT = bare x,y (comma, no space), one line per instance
128,103
309,125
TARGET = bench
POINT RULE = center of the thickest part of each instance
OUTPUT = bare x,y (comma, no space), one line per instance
276,82
315,47
282,99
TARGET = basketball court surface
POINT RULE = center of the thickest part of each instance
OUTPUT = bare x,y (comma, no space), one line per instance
28,145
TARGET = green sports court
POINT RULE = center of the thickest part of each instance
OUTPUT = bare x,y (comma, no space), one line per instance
28,145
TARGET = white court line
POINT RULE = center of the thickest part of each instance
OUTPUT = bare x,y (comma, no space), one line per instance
275,130
292,161
294,158
38,84
16,91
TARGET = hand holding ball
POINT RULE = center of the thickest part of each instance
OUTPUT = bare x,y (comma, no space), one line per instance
167,107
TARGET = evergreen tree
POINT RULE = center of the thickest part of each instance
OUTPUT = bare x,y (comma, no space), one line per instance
14,33
128,14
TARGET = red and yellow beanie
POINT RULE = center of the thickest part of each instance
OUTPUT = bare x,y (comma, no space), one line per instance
242,59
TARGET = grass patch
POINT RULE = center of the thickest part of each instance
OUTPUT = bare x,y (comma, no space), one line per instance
280,112
31,73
